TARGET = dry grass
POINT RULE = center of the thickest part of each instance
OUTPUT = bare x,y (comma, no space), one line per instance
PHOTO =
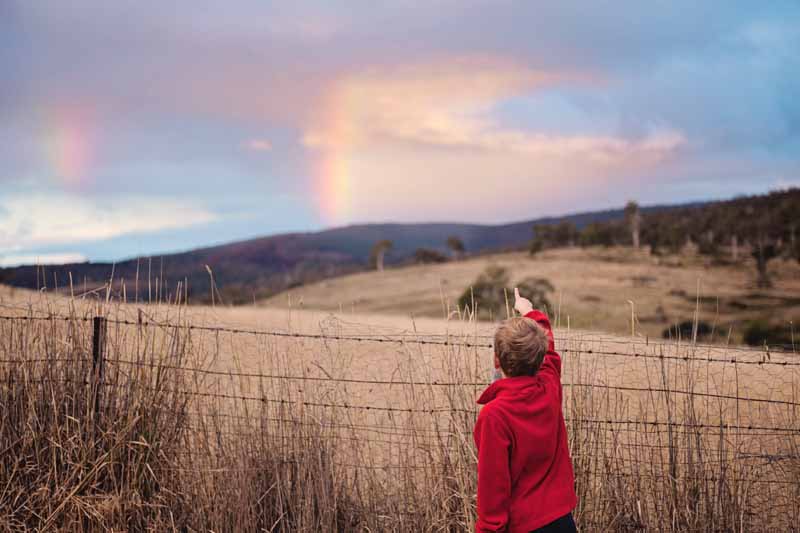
593,287
220,430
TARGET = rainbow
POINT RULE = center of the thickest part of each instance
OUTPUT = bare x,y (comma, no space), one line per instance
68,146
334,173
334,187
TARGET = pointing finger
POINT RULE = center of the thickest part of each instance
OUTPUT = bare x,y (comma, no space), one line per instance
516,293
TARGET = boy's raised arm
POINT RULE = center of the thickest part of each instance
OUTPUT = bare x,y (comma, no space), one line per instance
552,361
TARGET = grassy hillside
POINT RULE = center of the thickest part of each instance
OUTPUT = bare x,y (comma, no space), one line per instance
263,266
593,288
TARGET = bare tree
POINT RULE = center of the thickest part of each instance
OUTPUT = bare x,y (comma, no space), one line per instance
379,252
634,219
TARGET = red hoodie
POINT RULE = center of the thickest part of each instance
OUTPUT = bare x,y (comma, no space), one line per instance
525,478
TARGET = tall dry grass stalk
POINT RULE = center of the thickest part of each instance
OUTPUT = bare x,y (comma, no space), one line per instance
190,429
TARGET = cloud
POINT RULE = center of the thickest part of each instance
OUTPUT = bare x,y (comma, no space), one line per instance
450,103
443,102
502,184
259,145
41,259
393,136
495,108
37,220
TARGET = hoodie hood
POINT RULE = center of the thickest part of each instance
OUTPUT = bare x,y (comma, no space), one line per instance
508,386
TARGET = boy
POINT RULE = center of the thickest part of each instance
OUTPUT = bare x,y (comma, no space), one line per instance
525,478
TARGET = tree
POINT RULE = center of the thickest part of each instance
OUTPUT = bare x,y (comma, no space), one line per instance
536,246
664,232
565,234
633,217
763,252
794,243
456,245
543,237
708,244
379,252
553,235
767,227
427,256
598,234
735,248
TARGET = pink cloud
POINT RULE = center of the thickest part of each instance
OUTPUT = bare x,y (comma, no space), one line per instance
440,102
403,142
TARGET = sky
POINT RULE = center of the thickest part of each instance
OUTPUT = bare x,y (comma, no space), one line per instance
133,127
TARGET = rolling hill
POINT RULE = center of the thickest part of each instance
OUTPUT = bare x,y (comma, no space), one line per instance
594,289
260,267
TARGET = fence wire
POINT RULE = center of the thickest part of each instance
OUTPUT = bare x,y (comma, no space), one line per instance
744,433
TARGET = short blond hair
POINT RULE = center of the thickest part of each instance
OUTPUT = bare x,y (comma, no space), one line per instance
520,345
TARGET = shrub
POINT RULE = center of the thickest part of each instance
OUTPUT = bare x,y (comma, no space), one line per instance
427,256
487,295
685,330
760,332
536,290
490,292
536,246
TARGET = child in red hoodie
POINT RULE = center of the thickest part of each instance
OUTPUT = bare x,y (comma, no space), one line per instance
525,478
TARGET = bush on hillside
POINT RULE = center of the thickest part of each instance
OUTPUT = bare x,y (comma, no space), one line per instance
427,256
486,297
491,291
536,290
685,330
761,332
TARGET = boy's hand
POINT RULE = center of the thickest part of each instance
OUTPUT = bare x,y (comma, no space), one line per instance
522,305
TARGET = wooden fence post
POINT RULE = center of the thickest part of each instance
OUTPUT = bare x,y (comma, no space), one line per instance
98,354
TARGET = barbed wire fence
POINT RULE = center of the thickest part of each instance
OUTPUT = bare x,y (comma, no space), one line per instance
670,413
741,356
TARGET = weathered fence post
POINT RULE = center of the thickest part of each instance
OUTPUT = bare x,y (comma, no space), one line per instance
98,352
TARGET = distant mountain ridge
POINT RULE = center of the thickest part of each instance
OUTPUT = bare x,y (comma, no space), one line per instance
259,267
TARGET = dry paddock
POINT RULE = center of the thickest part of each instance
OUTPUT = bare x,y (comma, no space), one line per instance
233,419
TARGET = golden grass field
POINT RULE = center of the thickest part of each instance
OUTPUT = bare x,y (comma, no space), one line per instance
593,290
351,418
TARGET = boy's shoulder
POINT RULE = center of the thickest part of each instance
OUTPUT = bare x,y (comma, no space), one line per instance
500,407
494,413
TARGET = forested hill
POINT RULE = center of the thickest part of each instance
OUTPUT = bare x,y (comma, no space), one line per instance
759,227
758,222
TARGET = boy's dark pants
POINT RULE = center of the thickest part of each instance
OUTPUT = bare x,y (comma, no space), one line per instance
565,524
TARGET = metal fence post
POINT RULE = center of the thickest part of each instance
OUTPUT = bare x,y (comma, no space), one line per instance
98,352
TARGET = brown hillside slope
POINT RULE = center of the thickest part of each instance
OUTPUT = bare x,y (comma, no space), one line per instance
593,290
